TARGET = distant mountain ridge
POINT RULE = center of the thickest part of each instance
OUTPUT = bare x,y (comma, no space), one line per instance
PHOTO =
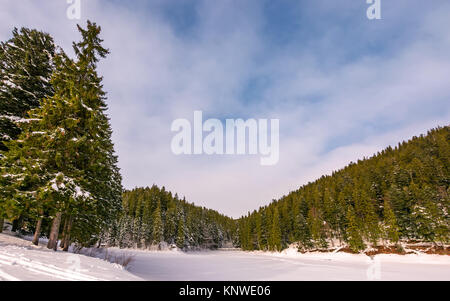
399,194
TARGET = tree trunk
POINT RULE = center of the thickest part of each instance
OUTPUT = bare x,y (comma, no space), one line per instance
1,224
67,236
53,239
37,232
16,224
64,231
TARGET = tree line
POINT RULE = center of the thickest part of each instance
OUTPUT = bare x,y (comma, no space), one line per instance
400,193
153,216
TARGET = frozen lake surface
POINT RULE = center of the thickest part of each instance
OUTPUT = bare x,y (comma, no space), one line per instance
289,265
19,260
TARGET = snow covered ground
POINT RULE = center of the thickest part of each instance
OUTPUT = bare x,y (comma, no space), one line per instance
19,260
288,265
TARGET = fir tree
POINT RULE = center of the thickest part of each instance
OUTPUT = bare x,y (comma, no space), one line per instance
355,240
26,65
180,234
390,228
158,229
302,232
276,231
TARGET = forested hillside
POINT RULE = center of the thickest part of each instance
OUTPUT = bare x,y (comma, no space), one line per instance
153,216
401,193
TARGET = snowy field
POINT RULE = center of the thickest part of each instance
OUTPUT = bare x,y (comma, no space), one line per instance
289,265
19,260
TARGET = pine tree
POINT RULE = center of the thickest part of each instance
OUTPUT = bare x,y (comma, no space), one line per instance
390,228
158,229
101,175
258,230
302,234
354,236
276,231
26,65
181,234
170,229
371,222
315,227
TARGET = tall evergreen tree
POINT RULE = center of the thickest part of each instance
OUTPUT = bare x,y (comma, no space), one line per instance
180,234
26,65
276,231
355,239
390,225
158,228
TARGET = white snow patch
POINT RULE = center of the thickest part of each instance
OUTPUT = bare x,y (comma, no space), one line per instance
20,260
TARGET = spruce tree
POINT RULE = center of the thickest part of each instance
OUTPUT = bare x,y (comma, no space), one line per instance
158,229
26,65
97,160
371,222
258,230
276,231
302,234
180,234
355,240
170,230
390,223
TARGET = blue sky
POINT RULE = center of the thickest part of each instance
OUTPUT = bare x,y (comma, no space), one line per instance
342,86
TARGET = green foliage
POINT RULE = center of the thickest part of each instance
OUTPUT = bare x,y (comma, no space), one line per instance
399,193
158,228
391,228
167,219
26,65
180,235
354,237
275,234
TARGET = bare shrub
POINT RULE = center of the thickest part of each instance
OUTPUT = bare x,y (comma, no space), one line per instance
122,259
